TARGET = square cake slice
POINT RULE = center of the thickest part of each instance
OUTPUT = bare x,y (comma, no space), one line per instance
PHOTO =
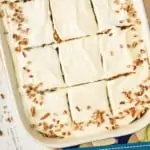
123,51
81,61
73,18
41,65
128,95
28,23
89,107
51,116
110,13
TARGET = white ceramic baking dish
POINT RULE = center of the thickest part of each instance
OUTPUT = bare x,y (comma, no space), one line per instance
60,143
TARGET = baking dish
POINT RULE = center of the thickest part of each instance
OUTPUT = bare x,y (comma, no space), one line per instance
59,143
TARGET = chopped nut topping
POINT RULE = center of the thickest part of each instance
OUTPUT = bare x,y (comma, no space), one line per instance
117,11
9,119
128,20
1,14
122,102
138,62
77,108
45,126
33,111
12,5
65,112
63,133
68,133
128,95
61,126
135,36
2,96
142,51
138,21
33,126
107,31
88,107
98,116
16,37
128,46
39,124
141,41
30,76
121,46
24,54
24,42
45,116
111,53
112,121
134,44
110,34
18,49
132,111
1,133
124,27
56,37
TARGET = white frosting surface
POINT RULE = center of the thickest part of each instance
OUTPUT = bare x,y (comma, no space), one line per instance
85,102
106,14
44,67
81,61
50,105
93,95
119,57
37,19
73,18
126,84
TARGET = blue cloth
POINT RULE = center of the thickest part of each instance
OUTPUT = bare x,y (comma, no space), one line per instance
121,141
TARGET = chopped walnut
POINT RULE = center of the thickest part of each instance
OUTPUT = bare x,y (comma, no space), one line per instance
2,96
33,111
1,133
56,37
45,116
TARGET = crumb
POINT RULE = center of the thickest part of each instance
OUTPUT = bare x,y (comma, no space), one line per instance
78,109
2,96
1,133
9,119
45,116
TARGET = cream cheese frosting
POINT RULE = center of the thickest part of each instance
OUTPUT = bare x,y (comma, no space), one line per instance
89,107
73,18
126,95
48,118
81,61
41,65
28,23
121,57
110,13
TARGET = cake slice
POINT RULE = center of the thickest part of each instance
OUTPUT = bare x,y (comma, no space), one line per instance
89,108
110,13
39,66
51,116
123,51
28,23
129,96
81,61
73,18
